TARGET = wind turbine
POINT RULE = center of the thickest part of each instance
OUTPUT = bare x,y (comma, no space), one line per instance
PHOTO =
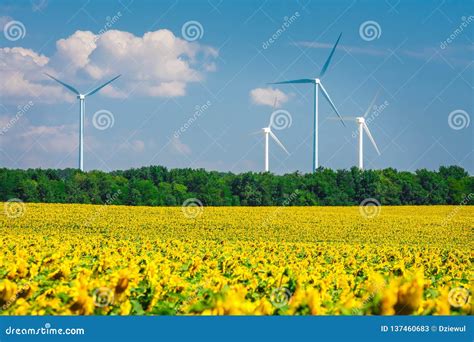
81,98
362,126
317,85
267,132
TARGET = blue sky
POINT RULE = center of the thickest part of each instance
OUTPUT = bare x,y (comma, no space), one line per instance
212,88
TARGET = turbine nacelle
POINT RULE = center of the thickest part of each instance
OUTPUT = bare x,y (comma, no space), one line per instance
81,96
360,120
266,129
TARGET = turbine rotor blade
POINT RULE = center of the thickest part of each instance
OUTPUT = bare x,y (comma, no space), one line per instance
326,95
371,105
70,87
326,65
348,118
256,133
275,103
278,142
366,129
102,86
303,80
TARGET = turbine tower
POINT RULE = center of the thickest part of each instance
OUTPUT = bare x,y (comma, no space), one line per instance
362,126
81,98
317,86
267,131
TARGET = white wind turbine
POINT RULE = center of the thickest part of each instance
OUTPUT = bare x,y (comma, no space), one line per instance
362,126
317,84
82,98
267,132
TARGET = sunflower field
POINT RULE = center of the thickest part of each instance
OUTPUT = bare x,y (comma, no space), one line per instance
73,259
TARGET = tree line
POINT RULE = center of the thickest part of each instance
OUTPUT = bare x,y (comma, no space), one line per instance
159,186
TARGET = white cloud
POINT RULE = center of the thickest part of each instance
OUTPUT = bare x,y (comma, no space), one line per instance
267,96
178,146
74,51
52,139
156,64
26,144
23,137
136,146
21,71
